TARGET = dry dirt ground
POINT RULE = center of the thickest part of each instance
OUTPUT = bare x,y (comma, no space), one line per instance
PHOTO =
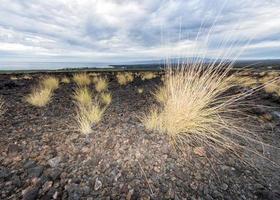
43,156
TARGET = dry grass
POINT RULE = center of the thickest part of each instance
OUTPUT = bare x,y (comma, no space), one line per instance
160,94
40,97
140,90
196,108
65,80
50,82
88,110
82,79
124,78
245,81
101,84
13,78
148,75
83,96
106,98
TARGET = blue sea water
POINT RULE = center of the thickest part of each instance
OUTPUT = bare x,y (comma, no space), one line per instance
49,65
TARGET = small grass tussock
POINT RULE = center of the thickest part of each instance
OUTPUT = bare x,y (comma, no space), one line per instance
101,84
82,79
124,78
50,82
106,98
148,75
83,96
88,111
140,90
65,80
40,97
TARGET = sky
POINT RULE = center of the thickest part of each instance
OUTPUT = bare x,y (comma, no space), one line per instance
131,30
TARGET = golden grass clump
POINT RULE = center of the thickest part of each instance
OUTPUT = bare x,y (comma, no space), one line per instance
160,94
124,78
50,82
82,79
245,81
83,96
101,84
106,98
88,110
13,78
40,97
195,108
140,90
65,80
273,87
148,75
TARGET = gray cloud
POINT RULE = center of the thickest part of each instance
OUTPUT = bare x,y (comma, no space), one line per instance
115,30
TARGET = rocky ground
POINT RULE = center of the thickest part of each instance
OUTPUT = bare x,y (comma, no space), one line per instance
43,156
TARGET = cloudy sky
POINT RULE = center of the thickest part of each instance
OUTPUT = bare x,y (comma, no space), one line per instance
129,30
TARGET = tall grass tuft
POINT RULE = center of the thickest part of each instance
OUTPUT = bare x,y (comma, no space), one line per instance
41,95
50,82
65,80
195,107
124,78
106,98
101,84
82,79
148,75
88,111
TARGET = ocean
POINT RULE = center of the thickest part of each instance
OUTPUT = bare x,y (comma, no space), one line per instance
49,65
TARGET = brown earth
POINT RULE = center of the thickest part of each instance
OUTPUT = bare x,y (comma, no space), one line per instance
43,156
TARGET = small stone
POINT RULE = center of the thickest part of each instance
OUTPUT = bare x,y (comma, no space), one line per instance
97,185
54,161
55,195
129,194
47,185
200,151
30,193
4,172
194,185
16,181
35,171
29,164
157,169
224,186
13,149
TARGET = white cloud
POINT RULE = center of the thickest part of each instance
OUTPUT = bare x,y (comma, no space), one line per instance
113,30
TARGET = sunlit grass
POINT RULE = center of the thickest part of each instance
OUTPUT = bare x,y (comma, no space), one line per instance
83,96
140,90
148,75
82,79
101,84
106,98
65,80
124,78
40,97
88,111
50,82
195,107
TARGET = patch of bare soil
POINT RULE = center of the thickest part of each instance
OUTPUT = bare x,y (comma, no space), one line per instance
43,156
